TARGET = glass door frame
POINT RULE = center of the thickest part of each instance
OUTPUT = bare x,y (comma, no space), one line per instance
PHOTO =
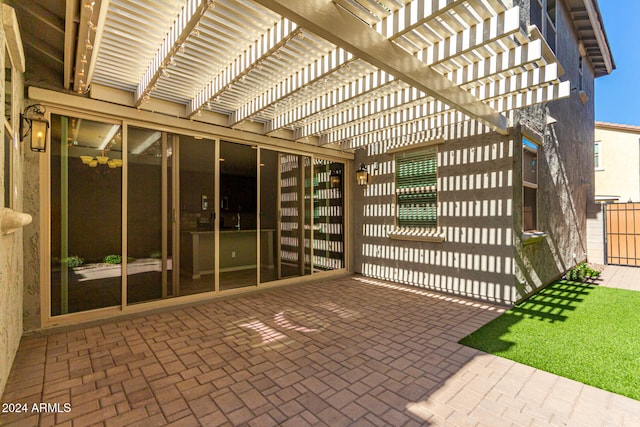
44,167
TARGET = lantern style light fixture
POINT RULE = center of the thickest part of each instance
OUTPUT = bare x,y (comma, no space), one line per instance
335,179
36,125
362,176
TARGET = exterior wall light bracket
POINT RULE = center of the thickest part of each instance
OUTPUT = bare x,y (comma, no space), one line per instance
33,121
335,178
362,176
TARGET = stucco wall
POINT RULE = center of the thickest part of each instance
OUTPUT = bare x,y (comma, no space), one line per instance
565,173
31,191
475,209
459,265
619,172
11,261
595,234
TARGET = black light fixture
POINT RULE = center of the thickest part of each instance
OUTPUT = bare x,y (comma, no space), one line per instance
362,176
335,178
37,126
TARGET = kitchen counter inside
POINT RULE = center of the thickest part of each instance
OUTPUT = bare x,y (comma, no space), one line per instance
237,250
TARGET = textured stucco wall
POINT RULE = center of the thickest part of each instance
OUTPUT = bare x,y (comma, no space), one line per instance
11,260
504,269
595,234
619,172
475,206
566,173
31,194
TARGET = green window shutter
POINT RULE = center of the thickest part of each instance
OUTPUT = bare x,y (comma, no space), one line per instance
416,194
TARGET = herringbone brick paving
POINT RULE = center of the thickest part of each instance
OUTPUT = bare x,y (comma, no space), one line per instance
344,352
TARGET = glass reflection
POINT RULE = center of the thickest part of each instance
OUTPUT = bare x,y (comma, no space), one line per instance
328,221
197,216
149,258
238,216
86,212
285,219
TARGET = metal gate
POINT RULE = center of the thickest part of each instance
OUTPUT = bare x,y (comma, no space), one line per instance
622,233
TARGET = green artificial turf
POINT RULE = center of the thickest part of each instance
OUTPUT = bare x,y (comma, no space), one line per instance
580,331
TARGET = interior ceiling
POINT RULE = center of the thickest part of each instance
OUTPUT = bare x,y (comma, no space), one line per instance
92,138
400,68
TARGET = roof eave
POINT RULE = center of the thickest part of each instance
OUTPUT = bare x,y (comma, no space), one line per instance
600,34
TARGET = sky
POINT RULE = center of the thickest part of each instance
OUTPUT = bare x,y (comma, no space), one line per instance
617,95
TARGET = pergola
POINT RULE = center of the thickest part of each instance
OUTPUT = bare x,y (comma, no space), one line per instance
343,73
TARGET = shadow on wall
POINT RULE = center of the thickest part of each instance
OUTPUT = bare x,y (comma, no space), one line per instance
561,194
475,190
531,259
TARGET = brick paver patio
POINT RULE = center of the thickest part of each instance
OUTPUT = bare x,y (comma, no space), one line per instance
351,351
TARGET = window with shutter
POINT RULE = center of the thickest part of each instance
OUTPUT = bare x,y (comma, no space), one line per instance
416,188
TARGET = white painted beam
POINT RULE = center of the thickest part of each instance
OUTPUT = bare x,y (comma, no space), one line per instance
473,39
420,122
70,35
181,29
97,40
13,38
358,11
334,24
315,108
402,99
539,95
310,74
277,36
402,21
479,79
525,56
168,122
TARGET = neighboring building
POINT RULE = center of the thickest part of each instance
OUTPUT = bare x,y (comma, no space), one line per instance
616,159
216,153
617,162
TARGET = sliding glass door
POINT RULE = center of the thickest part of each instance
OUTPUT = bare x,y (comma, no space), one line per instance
170,216
197,215
86,214
328,215
149,242
238,216
285,215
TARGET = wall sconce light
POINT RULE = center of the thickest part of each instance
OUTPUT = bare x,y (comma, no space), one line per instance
335,178
37,126
362,176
